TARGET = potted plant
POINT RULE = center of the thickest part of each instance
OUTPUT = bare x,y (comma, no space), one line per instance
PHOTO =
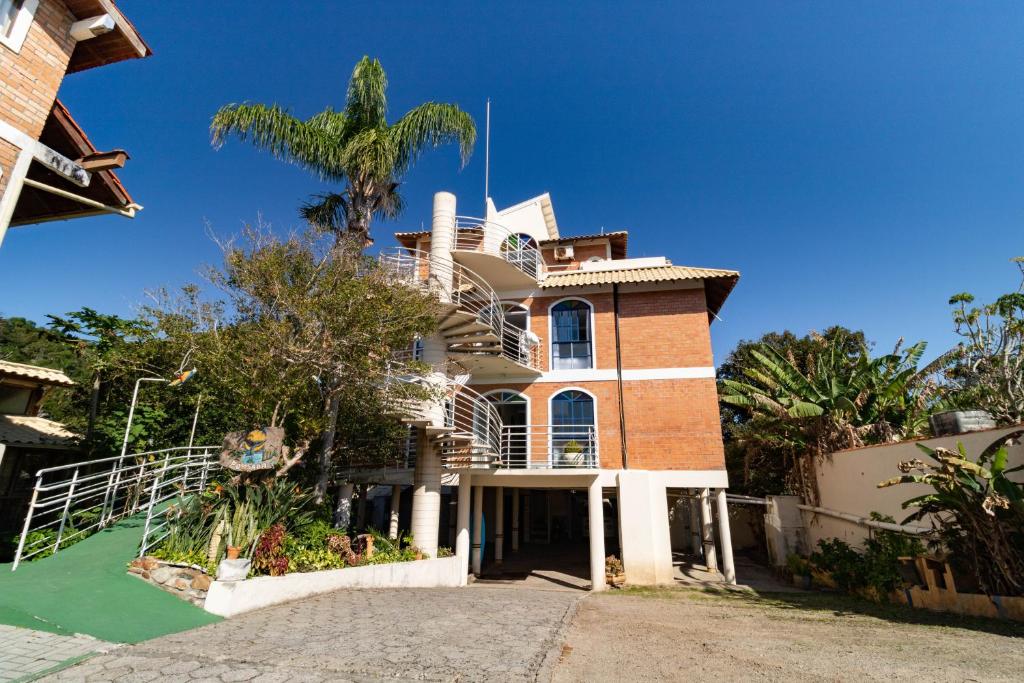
242,532
572,453
614,572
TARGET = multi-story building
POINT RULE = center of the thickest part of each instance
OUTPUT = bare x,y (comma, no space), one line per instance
580,401
49,170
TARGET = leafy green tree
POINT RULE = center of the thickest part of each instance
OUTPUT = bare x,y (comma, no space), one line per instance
356,146
986,370
303,328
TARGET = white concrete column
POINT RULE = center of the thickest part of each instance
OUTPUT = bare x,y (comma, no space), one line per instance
499,524
708,531
442,240
426,498
527,520
15,181
515,520
595,501
396,501
644,528
478,523
343,509
725,535
462,537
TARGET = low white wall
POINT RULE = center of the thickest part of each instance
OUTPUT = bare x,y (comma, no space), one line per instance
848,481
228,598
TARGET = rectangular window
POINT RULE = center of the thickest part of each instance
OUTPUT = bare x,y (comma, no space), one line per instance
572,348
15,20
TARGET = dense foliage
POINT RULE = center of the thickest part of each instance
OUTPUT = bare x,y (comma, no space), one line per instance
873,570
977,511
796,409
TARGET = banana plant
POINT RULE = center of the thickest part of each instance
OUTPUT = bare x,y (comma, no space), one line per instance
976,509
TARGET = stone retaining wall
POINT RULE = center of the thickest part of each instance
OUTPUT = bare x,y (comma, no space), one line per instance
188,582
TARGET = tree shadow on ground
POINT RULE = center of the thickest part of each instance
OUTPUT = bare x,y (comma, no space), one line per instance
842,605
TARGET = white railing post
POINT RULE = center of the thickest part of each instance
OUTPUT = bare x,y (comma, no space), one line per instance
206,468
28,521
152,502
64,514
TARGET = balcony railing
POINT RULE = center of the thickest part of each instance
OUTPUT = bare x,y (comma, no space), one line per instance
471,294
480,234
549,447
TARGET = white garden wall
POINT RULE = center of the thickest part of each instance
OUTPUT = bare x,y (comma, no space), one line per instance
848,481
228,598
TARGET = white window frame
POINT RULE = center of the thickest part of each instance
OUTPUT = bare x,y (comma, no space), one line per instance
551,424
551,335
19,29
529,414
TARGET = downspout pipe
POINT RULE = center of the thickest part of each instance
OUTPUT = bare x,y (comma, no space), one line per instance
618,378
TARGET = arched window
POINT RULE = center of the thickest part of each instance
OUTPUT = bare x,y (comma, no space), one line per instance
573,432
572,344
513,411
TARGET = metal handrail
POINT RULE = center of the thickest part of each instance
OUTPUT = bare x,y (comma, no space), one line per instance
469,292
547,446
111,488
489,237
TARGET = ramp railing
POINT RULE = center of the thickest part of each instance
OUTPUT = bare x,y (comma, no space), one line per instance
75,500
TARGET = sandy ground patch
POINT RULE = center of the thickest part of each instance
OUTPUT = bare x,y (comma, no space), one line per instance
692,635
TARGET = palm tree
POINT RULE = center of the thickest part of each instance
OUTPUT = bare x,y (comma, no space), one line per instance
356,146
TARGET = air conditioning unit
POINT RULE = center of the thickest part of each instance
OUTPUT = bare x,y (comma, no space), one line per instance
563,253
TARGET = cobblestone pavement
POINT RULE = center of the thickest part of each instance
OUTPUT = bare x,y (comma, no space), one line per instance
468,634
26,652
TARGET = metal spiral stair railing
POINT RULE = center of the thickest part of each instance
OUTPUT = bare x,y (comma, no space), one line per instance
464,424
473,322
481,234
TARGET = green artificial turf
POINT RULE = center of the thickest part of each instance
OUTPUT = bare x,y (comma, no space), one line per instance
85,588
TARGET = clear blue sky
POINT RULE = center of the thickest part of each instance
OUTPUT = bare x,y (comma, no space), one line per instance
858,162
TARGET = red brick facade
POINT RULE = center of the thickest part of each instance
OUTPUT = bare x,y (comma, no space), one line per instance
30,78
671,424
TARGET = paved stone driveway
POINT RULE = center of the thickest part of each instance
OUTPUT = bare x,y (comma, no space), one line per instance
470,634
25,652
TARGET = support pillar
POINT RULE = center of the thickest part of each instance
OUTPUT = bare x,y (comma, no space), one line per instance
515,520
478,523
343,509
396,501
462,511
499,524
527,520
595,504
442,240
426,498
708,531
725,535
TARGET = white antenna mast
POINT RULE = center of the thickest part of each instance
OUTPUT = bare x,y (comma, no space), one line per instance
487,157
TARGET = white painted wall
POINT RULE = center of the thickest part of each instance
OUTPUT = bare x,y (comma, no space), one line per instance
848,481
643,527
526,218
228,598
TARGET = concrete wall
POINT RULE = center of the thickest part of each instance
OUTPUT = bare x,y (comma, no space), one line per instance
228,598
848,481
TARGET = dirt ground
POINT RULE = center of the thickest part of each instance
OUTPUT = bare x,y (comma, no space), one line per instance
677,634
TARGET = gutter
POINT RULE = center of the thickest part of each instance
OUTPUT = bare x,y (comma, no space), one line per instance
618,378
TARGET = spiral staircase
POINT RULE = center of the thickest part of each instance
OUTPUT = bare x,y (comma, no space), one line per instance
463,424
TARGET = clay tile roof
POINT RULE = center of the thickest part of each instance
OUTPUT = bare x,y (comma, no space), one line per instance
34,372
21,430
717,283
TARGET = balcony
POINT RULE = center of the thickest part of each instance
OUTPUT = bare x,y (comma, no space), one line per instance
542,447
511,261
